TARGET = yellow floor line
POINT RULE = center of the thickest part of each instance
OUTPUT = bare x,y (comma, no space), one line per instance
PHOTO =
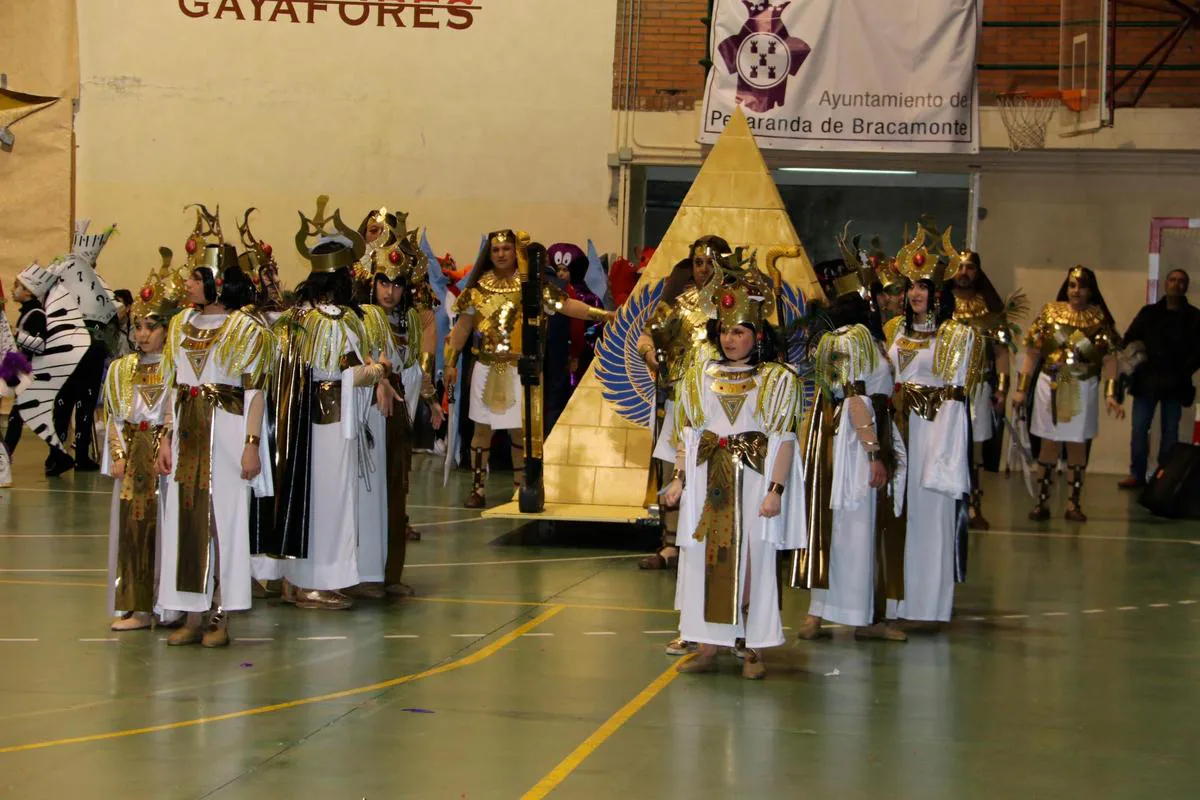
473,658
569,764
536,603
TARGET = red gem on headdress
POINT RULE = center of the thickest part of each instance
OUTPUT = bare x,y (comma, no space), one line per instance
727,300
147,292
394,256
220,283
919,259
143,426
195,391
266,249
722,442
190,247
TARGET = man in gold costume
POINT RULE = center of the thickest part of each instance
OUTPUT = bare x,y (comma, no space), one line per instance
490,306
676,332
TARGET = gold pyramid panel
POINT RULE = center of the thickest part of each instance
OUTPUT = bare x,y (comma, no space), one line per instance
593,456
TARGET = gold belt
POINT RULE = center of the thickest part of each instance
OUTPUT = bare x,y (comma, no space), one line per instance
925,401
327,402
492,359
230,399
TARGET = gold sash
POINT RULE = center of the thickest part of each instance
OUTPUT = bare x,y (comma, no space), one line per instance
194,409
721,520
133,581
497,389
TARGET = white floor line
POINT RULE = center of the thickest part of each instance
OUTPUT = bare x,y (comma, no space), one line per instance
599,633
53,535
1015,616
1054,614
1084,536
1127,608
467,635
18,640
401,636
1160,605
1093,611
320,638
537,634
98,640
502,563
1188,602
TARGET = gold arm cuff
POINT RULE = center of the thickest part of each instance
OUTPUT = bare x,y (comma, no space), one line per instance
1002,383
1110,387
598,315
1023,382
775,488
450,355
678,475
427,362
253,440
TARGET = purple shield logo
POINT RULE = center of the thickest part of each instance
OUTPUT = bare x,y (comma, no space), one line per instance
763,55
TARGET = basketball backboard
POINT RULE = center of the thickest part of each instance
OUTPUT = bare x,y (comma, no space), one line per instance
1084,52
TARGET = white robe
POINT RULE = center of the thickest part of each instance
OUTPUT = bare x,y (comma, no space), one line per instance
761,538
1082,427
938,475
850,598
229,492
332,561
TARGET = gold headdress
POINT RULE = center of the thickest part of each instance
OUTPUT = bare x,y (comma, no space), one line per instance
163,294
206,248
871,264
353,247
405,261
956,258
915,262
744,297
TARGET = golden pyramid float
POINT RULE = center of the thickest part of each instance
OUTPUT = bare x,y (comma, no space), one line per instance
596,460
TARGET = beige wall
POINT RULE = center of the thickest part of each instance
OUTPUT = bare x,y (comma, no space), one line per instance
504,124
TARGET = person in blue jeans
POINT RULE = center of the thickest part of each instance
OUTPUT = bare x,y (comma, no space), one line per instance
1169,331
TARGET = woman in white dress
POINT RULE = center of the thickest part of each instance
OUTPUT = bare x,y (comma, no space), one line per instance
937,364
854,465
1076,342
737,482
216,360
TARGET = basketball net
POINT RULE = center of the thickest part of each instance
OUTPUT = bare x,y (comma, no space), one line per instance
1026,115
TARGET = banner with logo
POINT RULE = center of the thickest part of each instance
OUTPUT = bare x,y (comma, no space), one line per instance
861,75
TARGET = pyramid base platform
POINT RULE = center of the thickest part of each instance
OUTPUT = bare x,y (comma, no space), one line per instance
567,512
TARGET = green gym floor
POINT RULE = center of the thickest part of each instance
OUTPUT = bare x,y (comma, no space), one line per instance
531,664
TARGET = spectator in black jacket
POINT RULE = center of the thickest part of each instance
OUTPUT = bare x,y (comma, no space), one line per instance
1170,332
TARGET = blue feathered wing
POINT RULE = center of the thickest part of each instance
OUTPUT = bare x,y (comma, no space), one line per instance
625,380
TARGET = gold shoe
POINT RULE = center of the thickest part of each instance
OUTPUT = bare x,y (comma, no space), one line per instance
322,600
217,634
138,620
753,668
697,664
184,636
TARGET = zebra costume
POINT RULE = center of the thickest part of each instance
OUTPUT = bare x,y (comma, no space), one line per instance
54,356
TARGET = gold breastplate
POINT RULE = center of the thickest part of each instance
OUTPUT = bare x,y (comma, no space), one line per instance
497,307
680,329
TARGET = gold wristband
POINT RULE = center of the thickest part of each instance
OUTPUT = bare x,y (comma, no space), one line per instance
1002,383
1110,388
251,439
775,488
597,315
677,475
450,355
1023,381
427,363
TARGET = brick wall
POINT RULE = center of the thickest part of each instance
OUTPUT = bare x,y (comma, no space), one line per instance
670,40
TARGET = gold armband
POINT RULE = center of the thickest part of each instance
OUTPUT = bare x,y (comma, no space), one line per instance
163,433
775,488
427,363
1002,383
597,315
1110,388
678,475
1023,381
253,440
450,355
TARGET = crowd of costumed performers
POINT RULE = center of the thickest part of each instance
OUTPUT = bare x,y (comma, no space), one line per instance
842,446
261,440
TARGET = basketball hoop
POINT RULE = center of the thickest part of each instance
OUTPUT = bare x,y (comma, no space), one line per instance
1026,115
